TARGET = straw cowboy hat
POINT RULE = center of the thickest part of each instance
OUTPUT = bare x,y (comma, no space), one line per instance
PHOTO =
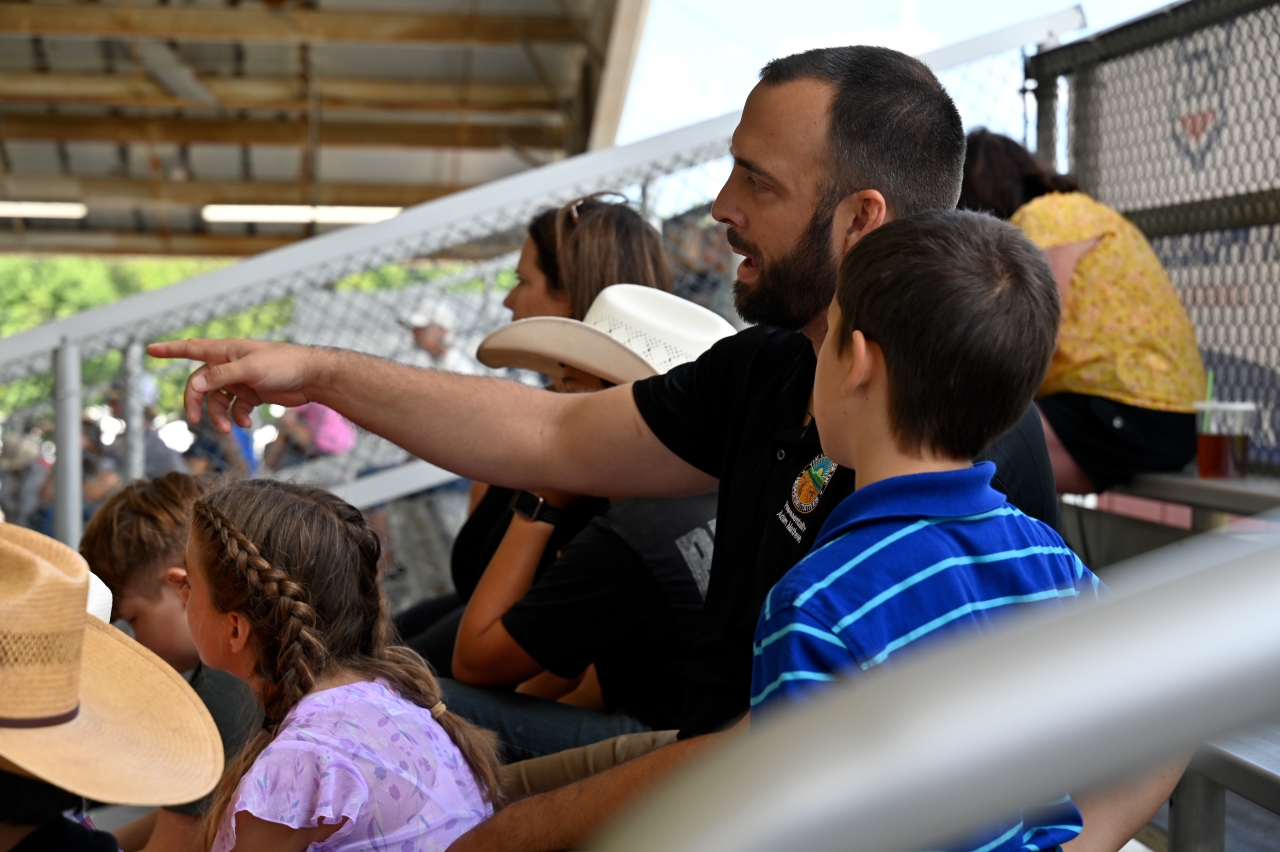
630,333
83,706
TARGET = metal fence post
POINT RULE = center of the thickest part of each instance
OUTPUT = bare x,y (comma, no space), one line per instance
1046,92
1197,815
68,506
135,427
1082,127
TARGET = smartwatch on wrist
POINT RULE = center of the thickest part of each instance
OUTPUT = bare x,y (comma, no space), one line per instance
536,508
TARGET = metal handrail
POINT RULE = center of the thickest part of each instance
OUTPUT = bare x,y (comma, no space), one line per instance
1185,650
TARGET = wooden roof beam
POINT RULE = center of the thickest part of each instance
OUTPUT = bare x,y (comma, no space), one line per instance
138,90
132,192
126,242
289,26
68,128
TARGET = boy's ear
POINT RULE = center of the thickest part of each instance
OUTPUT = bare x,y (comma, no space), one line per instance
175,575
859,374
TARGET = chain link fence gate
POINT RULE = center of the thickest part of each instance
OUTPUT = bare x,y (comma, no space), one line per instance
1174,120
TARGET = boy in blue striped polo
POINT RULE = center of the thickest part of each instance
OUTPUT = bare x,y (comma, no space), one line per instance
941,330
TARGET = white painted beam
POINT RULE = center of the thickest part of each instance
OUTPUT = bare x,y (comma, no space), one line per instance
1045,30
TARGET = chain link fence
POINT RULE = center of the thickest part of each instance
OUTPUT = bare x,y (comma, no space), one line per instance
444,272
1172,119
447,279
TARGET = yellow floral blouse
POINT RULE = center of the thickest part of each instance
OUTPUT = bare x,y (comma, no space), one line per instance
1125,335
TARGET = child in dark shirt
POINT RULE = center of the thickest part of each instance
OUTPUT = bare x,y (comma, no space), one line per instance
941,330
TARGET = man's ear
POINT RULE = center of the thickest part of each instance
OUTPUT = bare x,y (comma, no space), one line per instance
858,215
240,632
859,374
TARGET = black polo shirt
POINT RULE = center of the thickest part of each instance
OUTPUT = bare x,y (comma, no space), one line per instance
738,413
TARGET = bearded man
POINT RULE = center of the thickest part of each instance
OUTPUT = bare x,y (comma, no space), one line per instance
832,143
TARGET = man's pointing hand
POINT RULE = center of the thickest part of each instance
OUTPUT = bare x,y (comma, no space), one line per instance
239,375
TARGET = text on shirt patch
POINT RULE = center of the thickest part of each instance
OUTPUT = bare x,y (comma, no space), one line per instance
791,521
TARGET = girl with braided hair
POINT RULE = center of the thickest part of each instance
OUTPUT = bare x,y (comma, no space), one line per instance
357,750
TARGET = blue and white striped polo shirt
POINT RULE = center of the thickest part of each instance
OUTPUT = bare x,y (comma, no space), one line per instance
900,564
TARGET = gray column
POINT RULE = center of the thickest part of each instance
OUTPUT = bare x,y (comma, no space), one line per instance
1197,815
1083,130
68,502
135,452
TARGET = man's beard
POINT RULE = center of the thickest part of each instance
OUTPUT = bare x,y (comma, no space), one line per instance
791,291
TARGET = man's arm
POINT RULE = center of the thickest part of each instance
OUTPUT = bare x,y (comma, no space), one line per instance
485,429
566,818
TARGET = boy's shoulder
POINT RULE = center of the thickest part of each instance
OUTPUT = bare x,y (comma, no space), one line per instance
868,558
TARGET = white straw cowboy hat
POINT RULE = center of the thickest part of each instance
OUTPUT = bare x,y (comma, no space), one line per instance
629,333
83,706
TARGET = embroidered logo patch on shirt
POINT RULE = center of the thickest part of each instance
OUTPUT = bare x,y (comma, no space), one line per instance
812,481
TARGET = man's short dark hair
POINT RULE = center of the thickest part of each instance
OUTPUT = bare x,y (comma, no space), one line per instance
965,309
893,126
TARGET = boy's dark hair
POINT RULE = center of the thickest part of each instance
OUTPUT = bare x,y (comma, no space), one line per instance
1000,175
140,531
893,126
30,801
965,309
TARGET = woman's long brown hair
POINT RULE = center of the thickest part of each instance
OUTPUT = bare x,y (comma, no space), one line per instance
591,243
301,565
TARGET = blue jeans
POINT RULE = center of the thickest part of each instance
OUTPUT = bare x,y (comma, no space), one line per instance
532,727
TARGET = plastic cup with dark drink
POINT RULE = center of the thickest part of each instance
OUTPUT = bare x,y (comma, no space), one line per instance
1222,437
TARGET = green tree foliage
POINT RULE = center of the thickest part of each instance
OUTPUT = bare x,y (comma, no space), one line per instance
35,290
38,289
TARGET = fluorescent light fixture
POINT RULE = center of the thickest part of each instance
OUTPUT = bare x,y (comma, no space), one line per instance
297,214
42,210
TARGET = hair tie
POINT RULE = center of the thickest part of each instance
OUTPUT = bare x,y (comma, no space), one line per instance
268,723
438,710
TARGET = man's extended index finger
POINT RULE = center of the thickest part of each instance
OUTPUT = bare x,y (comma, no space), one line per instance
196,349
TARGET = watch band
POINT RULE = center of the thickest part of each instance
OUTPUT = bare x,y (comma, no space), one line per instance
536,508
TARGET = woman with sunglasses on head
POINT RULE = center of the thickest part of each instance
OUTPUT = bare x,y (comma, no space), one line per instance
569,255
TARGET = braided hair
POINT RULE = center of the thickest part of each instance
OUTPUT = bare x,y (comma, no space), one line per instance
302,567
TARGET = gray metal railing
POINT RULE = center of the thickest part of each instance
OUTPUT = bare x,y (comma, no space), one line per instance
1186,650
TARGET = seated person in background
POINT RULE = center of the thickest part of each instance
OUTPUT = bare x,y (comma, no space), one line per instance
435,332
569,256
85,725
158,458
100,475
307,432
136,543
1118,397
604,628
212,452
925,550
